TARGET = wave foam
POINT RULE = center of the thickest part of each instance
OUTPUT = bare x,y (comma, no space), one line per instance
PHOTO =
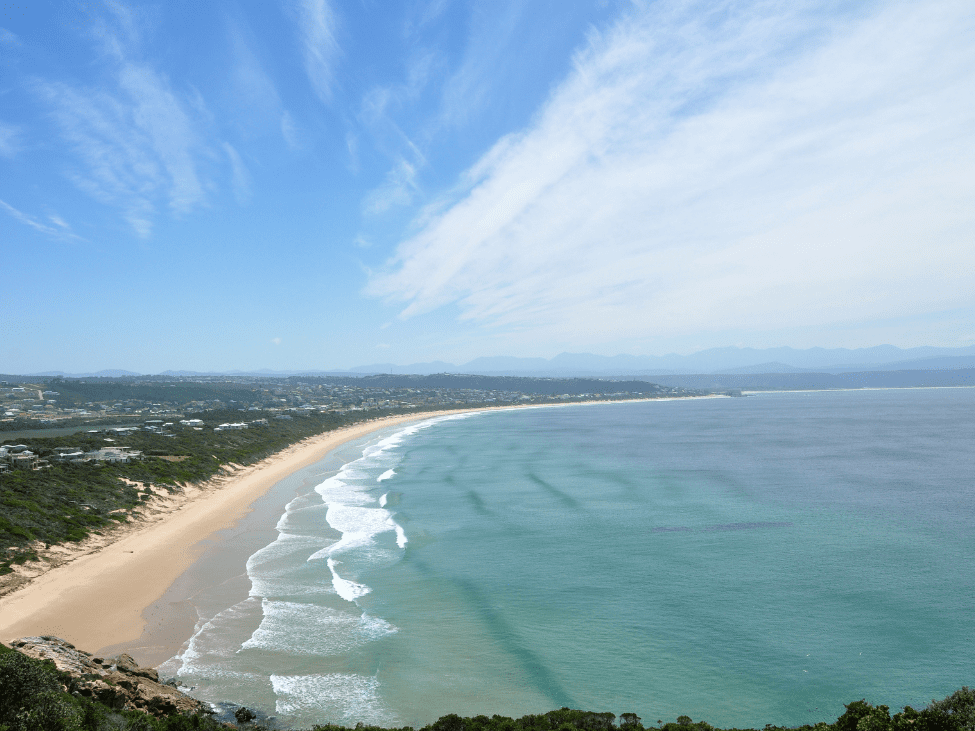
299,628
214,641
336,696
348,590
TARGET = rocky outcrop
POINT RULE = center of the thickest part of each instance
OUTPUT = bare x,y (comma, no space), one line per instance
117,682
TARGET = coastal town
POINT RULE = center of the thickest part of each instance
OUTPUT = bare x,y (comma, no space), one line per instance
167,405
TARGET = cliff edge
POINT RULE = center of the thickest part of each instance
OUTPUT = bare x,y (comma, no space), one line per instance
117,682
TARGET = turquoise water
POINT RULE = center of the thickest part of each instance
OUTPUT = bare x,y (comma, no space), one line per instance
742,561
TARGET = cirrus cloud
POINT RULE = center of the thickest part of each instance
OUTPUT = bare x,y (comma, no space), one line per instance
715,165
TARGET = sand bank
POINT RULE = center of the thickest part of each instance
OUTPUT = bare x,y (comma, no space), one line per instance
97,597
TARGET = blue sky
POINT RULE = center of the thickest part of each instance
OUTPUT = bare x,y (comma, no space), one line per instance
328,183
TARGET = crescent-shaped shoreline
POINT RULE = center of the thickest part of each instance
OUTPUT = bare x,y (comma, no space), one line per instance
96,597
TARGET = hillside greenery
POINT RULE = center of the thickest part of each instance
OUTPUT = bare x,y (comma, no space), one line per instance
35,696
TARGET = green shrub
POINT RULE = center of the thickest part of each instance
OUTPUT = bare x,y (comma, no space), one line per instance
31,698
959,707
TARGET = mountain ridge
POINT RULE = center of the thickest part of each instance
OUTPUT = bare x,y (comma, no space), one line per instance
725,360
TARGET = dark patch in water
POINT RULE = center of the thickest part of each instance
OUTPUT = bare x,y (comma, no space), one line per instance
543,678
745,526
720,527
603,476
567,500
478,503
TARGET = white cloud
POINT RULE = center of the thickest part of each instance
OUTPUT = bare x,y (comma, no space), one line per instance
316,21
711,165
9,143
157,113
135,145
352,145
254,93
289,131
58,221
397,190
472,86
63,230
239,177
137,141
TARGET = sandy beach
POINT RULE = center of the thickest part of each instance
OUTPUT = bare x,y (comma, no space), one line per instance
97,597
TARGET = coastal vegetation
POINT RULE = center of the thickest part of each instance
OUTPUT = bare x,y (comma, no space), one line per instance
68,501
35,696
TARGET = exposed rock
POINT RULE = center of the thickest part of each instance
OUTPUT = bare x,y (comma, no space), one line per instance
117,682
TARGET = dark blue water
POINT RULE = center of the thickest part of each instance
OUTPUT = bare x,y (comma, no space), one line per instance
741,561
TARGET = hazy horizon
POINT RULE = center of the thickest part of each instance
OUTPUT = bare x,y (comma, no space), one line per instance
715,360
325,184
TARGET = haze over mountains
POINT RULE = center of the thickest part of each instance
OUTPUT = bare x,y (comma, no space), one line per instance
730,360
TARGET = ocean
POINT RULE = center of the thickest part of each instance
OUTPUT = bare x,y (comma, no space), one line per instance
742,561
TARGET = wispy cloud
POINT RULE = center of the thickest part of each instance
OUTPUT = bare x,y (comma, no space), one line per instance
239,177
316,25
135,145
469,88
397,190
252,92
158,113
400,183
60,230
289,131
136,140
9,140
746,165
58,221
9,39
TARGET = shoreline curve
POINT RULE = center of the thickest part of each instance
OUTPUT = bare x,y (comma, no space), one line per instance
97,596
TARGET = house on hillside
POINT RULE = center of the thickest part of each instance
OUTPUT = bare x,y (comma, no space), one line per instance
69,454
113,454
236,426
25,460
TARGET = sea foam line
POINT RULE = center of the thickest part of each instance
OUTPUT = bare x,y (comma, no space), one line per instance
350,510
348,590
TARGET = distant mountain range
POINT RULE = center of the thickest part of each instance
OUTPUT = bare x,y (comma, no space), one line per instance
586,365
714,360
108,373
